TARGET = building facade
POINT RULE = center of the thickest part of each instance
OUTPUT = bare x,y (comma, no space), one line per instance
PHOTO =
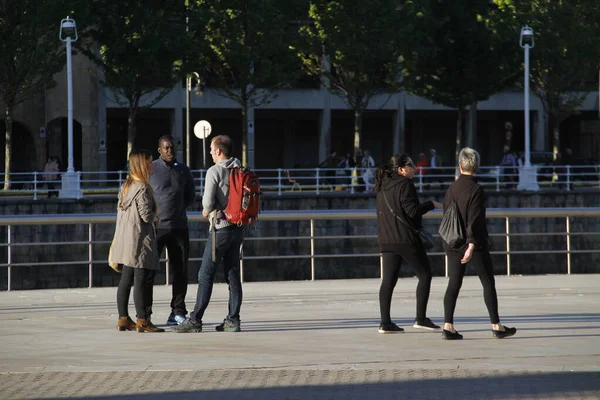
297,130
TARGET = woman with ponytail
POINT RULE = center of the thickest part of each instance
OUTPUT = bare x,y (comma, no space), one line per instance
397,195
134,244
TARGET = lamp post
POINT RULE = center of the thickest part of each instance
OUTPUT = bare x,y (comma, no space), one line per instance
189,87
70,180
527,175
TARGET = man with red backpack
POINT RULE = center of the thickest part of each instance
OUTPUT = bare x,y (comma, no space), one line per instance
229,210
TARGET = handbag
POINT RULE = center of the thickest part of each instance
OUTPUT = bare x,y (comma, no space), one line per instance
425,237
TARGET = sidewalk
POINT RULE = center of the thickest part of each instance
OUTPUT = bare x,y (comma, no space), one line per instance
308,340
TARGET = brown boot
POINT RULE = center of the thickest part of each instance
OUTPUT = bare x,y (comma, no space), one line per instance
125,324
144,325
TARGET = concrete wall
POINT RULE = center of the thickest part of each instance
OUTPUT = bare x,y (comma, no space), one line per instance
58,275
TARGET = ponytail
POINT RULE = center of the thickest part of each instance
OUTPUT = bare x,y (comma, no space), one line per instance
382,171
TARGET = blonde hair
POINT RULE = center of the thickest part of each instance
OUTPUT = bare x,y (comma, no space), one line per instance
138,171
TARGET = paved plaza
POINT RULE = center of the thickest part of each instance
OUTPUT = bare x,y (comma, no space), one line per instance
308,340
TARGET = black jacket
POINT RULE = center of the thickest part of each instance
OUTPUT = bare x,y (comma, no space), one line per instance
401,193
469,198
174,192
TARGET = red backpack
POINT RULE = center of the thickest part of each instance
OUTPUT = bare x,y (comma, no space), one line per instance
244,197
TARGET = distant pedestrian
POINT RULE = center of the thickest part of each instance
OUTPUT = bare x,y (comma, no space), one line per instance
51,175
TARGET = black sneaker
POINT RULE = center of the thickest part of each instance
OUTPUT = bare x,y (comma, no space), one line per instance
188,326
228,326
426,324
390,328
505,333
448,335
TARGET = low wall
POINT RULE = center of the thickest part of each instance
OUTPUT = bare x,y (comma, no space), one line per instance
59,275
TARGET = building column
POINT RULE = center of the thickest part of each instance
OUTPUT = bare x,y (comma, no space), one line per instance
325,116
101,129
90,146
177,126
399,135
471,127
251,142
325,127
540,138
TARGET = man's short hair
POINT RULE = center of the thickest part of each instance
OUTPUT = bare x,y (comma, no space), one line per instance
223,143
165,138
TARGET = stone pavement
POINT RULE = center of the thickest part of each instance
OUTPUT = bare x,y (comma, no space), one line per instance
308,340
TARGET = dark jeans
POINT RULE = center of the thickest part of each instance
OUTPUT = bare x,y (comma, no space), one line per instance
142,280
482,262
417,258
177,242
228,244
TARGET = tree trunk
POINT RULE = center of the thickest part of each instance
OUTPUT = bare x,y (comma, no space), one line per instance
131,129
8,146
459,123
357,132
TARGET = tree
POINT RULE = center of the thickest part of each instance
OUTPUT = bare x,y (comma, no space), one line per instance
139,45
462,56
248,51
566,57
353,46
30,55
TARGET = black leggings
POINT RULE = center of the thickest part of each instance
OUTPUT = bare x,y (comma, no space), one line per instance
142,280
416,257
482,262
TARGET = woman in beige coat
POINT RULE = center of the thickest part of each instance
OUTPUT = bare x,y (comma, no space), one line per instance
134,244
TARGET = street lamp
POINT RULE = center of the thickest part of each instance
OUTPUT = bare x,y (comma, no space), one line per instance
189,88
527,175
70,180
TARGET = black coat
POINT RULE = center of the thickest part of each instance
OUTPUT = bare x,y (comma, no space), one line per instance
401,193
469,198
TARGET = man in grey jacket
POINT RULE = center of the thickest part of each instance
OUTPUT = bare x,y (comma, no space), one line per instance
224,236
174,192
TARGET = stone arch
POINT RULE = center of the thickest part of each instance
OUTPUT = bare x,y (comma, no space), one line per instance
57,142
23,151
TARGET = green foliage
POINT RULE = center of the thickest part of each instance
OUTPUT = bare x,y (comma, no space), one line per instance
361,40
247,52
31,53
566,56
463,52
247,55
139,44
30,50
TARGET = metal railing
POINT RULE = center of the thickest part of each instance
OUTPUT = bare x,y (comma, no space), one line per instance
319,180
91,220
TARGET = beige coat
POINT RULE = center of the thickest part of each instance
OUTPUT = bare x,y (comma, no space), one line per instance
134,243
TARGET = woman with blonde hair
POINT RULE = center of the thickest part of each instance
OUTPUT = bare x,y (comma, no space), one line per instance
134,244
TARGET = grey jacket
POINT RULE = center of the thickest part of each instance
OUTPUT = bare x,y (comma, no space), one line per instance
174,192
134,243
216,192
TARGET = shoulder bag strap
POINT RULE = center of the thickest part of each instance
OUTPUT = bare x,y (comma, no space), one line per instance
399,218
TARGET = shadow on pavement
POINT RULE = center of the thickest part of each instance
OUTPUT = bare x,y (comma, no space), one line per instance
513,385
